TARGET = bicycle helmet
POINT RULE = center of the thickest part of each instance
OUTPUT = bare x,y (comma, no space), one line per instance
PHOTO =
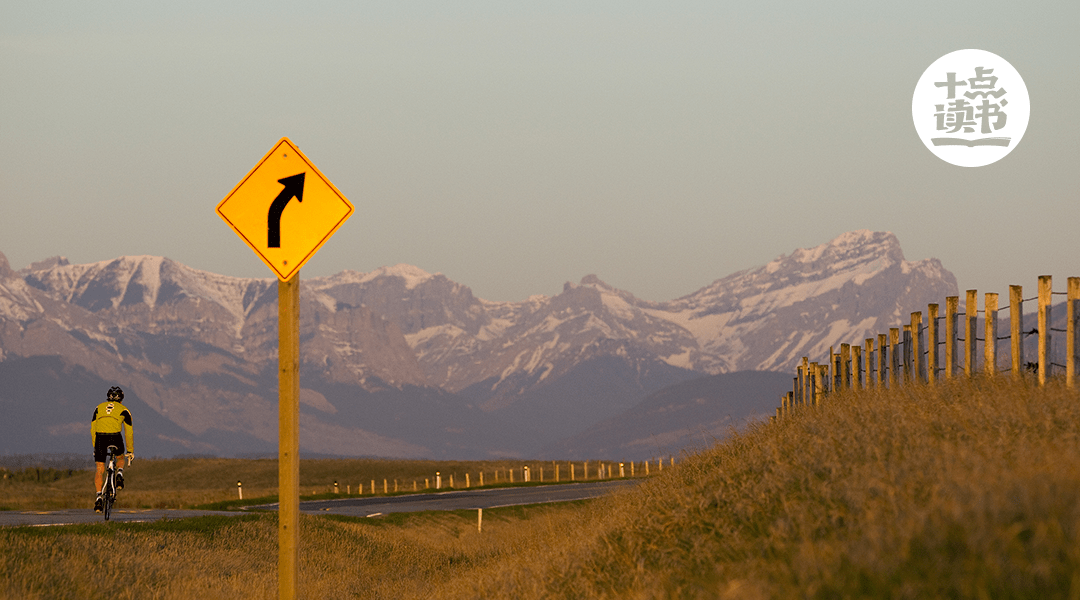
115,393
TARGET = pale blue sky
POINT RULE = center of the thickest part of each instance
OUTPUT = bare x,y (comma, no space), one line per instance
515,146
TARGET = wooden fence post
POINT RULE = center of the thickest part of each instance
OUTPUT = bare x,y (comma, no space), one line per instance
1071,331
931,342
907,354
971,316
845,366
1016,329
883,358
856,367
894,348
834,373
798,384
990,334
804,389
869,363
952,306
819,393
916,347
804,380
1045,297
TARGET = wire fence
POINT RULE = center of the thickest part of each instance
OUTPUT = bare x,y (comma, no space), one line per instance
911,353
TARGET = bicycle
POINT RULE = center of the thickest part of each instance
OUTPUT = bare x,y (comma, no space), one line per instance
108,489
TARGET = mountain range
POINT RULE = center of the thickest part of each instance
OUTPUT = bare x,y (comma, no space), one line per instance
400,362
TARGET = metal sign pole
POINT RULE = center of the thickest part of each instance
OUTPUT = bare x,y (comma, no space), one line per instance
288,436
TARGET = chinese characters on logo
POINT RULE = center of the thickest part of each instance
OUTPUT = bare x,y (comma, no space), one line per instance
960,115
970,108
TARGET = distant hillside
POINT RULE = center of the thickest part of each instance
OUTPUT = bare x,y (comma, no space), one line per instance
689,416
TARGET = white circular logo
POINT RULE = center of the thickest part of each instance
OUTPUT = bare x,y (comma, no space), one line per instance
970,108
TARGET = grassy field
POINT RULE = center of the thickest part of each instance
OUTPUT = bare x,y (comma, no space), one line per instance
968,489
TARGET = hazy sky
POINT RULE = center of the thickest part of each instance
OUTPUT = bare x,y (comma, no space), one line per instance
514,146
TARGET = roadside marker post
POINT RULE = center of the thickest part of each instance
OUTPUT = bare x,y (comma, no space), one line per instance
285,235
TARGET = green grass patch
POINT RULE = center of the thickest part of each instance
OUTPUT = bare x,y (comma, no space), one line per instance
205,525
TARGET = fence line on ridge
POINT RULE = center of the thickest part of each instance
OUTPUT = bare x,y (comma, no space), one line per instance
903,356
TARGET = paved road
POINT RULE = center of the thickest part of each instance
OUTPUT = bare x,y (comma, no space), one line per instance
357,507
460,499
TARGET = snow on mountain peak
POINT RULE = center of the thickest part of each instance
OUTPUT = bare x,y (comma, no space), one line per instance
412,276
862,243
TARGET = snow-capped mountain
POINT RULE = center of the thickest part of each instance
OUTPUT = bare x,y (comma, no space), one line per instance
800,305
402,362
759,319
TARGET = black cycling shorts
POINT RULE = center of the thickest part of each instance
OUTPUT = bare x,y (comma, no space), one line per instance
102,441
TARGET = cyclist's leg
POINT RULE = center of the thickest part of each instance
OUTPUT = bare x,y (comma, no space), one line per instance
99,476
121,460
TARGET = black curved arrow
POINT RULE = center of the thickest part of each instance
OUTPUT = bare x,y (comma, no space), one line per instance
294,186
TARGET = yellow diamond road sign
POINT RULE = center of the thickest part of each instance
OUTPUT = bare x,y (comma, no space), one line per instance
285,209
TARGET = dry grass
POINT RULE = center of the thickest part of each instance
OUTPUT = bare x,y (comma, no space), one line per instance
410,556
963,490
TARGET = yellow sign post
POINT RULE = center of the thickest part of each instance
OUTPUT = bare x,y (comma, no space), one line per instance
285,234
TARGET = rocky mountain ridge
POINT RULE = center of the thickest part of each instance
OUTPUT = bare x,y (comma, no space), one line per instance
403,362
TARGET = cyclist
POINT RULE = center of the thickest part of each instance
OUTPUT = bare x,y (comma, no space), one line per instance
110,418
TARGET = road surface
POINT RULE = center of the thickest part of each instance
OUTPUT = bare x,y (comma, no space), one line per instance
460,499
357,507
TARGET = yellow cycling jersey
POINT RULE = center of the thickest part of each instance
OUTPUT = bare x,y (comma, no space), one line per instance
112,417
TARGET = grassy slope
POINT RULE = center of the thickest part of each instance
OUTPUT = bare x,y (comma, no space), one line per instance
962,490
